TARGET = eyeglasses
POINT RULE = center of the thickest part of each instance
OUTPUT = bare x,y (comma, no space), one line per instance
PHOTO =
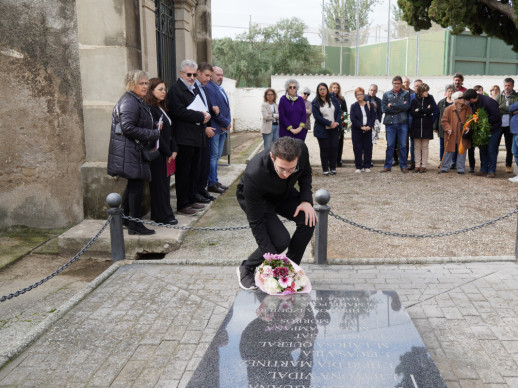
284,171
307,94
359,95
292,87
270,94
189,75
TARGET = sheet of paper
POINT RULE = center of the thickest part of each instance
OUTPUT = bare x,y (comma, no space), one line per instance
198,105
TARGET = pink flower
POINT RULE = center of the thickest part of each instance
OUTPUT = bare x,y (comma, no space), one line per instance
285,281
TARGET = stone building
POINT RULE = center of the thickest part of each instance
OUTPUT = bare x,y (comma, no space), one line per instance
63,63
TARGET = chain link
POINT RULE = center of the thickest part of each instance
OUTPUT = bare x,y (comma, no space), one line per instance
185,227
61,269
430,235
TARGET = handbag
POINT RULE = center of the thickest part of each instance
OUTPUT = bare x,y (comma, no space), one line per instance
149,150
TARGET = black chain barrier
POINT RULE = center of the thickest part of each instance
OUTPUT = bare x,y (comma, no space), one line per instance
185,227
61,269
430,235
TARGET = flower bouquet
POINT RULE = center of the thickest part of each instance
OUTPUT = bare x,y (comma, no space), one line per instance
278,275
346,123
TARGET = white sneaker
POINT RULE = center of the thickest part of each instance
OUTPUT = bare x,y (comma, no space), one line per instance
367,170
357,170
515,179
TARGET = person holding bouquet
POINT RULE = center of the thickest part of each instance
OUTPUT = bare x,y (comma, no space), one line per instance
266,190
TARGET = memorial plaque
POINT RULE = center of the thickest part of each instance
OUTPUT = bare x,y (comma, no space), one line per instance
326,339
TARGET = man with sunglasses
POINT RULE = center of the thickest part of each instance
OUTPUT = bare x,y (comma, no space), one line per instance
267,189
189,127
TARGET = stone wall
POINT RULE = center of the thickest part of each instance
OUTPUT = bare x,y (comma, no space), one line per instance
41,125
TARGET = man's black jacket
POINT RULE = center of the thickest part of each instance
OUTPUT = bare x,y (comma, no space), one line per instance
261,190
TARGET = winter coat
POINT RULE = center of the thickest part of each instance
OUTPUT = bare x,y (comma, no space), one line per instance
187,123
422,110
136,122
167,143
292,114
319,129
450,121
514,118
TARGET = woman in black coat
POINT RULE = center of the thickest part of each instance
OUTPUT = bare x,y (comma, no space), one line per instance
132,122
363,115
159,187
422,109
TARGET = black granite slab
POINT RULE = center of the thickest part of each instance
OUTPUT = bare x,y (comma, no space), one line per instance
326,339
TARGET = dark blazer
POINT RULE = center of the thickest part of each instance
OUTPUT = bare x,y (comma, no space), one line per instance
188,124
261,189
167,143
357,116
492,109
124,155
422,117
319,129
222,121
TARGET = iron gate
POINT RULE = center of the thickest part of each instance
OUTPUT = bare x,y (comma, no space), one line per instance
165,41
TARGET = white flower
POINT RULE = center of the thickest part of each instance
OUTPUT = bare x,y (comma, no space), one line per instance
272,285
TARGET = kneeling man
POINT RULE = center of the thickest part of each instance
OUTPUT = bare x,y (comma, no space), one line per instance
267,188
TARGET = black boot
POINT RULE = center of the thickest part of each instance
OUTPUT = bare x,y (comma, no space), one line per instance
135,227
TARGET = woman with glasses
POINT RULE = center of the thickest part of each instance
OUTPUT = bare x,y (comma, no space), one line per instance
131,123
270,112
292,112
336,92
363,115
326,112
305,95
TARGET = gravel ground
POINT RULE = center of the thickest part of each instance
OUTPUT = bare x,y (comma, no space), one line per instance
418,203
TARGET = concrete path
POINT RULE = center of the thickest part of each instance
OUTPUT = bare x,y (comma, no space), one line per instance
147,324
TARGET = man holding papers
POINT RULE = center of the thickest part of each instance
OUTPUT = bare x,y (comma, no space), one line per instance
189,115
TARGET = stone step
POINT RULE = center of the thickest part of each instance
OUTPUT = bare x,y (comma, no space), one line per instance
165,240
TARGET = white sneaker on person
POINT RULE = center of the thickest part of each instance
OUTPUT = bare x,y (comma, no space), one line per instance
367,170
357,170
515,179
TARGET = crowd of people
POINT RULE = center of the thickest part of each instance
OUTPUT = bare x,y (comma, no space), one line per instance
158,130
411,117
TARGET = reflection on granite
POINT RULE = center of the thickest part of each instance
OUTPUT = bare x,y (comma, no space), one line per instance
326,339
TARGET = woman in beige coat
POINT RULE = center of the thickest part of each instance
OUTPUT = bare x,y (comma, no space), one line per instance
270,112
453,119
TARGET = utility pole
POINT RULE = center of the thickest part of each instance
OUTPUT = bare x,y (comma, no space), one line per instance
323,36
341,36
357,55
388,41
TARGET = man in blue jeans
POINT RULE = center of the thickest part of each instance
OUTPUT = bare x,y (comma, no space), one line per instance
221,124
489,152
395,104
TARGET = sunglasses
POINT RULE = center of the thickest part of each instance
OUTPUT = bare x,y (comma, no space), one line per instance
292,87
189,75
307,94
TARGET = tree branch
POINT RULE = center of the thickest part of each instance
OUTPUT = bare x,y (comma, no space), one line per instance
505,9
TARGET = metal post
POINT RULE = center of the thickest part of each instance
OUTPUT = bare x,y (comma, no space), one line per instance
322,197
114,200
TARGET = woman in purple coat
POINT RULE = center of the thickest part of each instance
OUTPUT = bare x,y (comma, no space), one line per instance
292,112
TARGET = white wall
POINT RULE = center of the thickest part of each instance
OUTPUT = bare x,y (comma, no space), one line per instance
246,102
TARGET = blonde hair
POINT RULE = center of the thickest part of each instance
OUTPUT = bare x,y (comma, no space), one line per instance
133,77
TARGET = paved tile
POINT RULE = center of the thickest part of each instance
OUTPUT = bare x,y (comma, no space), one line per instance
150,324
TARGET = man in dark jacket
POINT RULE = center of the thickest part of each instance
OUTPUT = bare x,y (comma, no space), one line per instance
489,152
267,189
189,133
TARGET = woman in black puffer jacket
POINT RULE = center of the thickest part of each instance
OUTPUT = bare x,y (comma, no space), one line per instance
125,156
